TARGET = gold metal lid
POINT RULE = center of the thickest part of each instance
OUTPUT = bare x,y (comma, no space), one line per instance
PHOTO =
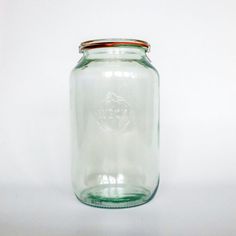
113,42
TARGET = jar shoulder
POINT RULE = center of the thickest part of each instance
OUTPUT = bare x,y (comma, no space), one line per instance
123,68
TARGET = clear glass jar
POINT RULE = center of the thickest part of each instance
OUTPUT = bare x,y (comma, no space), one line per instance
115,124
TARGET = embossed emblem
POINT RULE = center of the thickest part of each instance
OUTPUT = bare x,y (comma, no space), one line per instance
113,113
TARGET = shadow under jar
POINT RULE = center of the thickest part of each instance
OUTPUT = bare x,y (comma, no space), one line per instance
114,124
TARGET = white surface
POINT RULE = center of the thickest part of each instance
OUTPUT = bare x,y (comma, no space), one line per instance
195,211
193,47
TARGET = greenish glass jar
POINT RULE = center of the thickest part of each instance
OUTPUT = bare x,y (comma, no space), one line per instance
115,124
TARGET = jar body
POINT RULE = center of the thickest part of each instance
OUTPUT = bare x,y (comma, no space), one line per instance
115,130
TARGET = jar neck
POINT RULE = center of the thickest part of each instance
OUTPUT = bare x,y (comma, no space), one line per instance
128,53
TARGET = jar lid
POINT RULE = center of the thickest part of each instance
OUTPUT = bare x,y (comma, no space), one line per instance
103,43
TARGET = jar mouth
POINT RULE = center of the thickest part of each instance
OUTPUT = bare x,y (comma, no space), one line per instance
113,42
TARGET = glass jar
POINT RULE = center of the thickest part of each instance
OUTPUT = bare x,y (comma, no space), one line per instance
115,124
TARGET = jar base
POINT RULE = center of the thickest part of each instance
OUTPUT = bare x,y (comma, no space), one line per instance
115,196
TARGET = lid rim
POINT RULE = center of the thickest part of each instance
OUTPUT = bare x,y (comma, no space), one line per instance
113,42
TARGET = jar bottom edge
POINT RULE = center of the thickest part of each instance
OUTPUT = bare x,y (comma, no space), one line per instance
115,196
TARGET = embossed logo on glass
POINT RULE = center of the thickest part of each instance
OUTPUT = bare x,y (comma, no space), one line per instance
113,113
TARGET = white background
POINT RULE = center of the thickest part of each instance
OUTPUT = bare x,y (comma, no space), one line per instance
194,49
